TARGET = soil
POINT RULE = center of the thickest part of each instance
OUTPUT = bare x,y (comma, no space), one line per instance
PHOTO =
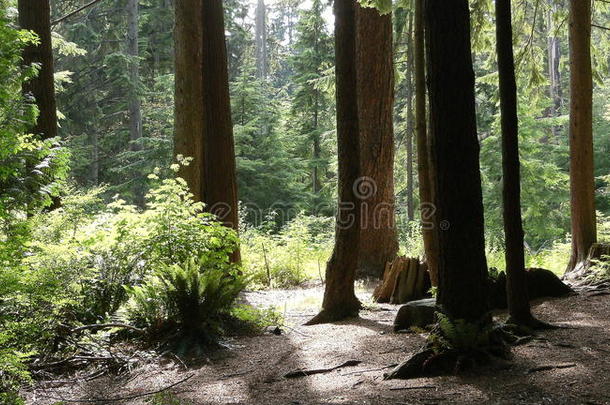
250,370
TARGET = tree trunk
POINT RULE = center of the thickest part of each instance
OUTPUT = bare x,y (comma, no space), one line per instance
462,264
516,287
339,297
188,113
219,186
261,40
375,98
553,58
582,185
424,164
410,119
203,112
35,15
135,114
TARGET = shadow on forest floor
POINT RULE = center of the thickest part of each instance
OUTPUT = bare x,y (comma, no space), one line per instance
251,370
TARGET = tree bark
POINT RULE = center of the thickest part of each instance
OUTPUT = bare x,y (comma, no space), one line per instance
516,287
582,185
410,120
375,98
204,129
425,171
339,297
462,264
189,111
219,188
35,15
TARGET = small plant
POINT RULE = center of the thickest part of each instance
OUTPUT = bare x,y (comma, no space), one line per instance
460,335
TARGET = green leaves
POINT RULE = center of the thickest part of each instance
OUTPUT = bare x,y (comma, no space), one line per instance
383,6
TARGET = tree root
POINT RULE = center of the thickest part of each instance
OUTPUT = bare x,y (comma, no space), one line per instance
327,316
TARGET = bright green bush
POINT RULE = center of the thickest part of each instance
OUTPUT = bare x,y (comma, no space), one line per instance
191,298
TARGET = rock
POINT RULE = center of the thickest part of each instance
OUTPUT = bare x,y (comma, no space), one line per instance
541,283
273,330
416,313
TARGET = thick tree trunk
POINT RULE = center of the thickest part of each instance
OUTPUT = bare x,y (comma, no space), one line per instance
260,35
220,186
516,287
582,185
203,112
424,165
462,265
189,112
375,98
339,297
34,15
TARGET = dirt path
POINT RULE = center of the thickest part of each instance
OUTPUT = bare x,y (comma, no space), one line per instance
251,371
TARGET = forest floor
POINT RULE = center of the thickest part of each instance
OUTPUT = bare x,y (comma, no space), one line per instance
250,370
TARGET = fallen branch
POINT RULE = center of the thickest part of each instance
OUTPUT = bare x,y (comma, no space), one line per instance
97,326
370,369
304,373
418,387
550,367
125,398
78,10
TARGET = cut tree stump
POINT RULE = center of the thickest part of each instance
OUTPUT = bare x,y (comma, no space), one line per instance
405,279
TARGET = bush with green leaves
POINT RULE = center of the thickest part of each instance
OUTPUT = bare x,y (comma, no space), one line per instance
295,254
191,299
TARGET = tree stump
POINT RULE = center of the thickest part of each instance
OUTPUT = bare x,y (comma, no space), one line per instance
405,279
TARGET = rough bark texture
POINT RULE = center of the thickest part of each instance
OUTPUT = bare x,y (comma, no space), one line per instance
339,297
220,186
188,117
582,185
516,288
375,98
34,15
424,164
404,279
410,123
462,264
261,39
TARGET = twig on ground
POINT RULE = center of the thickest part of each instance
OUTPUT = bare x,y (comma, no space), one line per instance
418,387
125,398
370,369
550,367
303,373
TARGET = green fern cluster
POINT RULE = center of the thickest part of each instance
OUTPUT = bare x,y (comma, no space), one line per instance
194,296
459,335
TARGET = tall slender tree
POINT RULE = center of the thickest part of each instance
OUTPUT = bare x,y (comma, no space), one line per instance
455,151
340,300
260,36
35,15
375,98
582,183
424,164
516,287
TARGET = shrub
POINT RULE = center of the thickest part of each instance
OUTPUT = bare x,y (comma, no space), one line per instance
195,297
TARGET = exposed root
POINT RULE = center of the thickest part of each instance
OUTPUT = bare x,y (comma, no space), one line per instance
326,316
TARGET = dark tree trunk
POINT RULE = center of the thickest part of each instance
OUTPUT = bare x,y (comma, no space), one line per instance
462,264
582,185
424,165
188,113
339,297
375,98
260,35
219,185
516,287
34,15
203,112
410,120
